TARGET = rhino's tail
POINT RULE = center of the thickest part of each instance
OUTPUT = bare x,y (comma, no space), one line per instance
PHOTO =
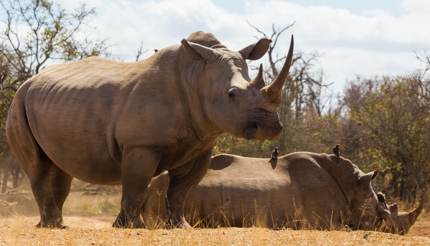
19,136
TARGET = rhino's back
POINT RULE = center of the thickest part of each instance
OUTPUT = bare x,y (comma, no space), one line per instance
72,110
235,189
242,171
240,187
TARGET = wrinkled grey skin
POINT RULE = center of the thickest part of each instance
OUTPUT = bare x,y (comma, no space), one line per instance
303,190
109,122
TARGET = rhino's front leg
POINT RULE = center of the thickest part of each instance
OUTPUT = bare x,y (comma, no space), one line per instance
181,180
138,167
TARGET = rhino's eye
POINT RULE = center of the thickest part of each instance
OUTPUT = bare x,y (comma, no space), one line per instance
232,93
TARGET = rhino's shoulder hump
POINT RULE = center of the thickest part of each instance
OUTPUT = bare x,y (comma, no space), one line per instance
300,155
306,161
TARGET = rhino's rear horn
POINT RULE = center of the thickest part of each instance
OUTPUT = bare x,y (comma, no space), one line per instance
394,209
258,81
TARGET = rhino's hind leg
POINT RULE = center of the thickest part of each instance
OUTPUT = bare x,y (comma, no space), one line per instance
50,187
138,168
49,184
60,183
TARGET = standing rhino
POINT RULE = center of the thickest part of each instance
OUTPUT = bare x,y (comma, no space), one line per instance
109,122
303,190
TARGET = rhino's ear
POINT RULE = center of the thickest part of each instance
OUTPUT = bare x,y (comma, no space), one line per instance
199,51
257,50
366,178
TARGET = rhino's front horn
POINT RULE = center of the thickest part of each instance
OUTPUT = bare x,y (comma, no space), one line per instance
413,215
258,82
273,91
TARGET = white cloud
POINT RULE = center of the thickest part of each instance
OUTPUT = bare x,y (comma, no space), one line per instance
416,6
369,43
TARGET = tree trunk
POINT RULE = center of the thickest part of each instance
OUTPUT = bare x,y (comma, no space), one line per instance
402,183
16,177
5,178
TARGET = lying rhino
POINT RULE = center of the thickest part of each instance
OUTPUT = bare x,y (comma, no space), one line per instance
110,122
303,189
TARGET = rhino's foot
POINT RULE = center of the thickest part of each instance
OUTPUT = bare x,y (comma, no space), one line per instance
123,222
118,224
54,225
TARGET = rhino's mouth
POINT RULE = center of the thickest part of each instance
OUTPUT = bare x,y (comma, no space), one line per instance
260,130
262,124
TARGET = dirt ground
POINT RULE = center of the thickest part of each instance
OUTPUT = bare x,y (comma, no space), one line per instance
89,219
421,227
18,230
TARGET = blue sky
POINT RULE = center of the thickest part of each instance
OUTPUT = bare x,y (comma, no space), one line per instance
357,6
366,37
393,6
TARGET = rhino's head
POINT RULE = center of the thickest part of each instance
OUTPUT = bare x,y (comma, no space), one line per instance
364,209
368,210
400,222
232,101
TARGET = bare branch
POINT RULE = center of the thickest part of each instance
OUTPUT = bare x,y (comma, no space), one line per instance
140,51
257,29
51,31
277,34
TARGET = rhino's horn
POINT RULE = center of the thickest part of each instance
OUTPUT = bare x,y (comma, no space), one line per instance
258,82
413,215
273,91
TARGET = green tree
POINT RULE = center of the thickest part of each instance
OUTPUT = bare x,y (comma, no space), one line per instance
37,33
388,126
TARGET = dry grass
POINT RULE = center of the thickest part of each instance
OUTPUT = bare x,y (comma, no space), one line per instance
97,231
90,217
78,204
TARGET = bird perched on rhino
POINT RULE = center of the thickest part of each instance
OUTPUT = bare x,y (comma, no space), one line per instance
336,151
274,157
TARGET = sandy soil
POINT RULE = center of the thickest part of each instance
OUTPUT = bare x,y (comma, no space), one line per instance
90,218
19,230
